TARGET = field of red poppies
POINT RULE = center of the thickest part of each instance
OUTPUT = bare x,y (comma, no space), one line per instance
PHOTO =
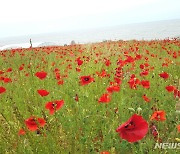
107,98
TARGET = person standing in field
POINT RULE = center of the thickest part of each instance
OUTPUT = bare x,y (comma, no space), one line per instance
30,43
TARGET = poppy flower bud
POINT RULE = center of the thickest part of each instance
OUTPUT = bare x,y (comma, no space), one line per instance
139,110
131,109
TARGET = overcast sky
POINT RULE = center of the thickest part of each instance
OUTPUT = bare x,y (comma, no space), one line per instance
25,17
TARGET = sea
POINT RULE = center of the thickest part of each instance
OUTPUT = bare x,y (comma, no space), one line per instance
157,30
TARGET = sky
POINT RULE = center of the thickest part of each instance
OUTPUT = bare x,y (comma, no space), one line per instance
27,17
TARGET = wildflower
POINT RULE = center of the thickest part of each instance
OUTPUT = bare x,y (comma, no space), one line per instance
21,132
2,90
141,66
9,69
146,98
102,74
79,61
178,128
164,75
134,129
43,92
54,106
112,89
176,93
1,72
21,67
129,59
41,75
145,84
104,152
7,80
177,139
107,62
133,82
84,80
117,80
76,98
158,115
33,123
60,82
154,132
144,73
170,88
78,69
105,98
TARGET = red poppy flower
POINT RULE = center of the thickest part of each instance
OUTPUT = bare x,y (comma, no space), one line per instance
129,59
133,82
58,76
170,88
178,128
54,106
32,123
141,66
146,64
84,80
76,98
146,98
112,89
133,76
1,72
145,84
2,90
134,129
102,74
41,75
60,82
7,80
21,67
9,70
43,92
164,75
177,93
21,132
1,78
158,115
117,80
78,69
107,62
144,73
79,61
138,57
104,152
105,98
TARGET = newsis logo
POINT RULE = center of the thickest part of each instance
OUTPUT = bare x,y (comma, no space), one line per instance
167,146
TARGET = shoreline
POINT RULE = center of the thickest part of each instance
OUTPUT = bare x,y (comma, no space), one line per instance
136,31
53,44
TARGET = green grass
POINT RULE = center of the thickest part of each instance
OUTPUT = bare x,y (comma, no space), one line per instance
86,126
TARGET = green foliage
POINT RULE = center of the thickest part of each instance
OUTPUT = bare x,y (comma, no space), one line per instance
86,126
